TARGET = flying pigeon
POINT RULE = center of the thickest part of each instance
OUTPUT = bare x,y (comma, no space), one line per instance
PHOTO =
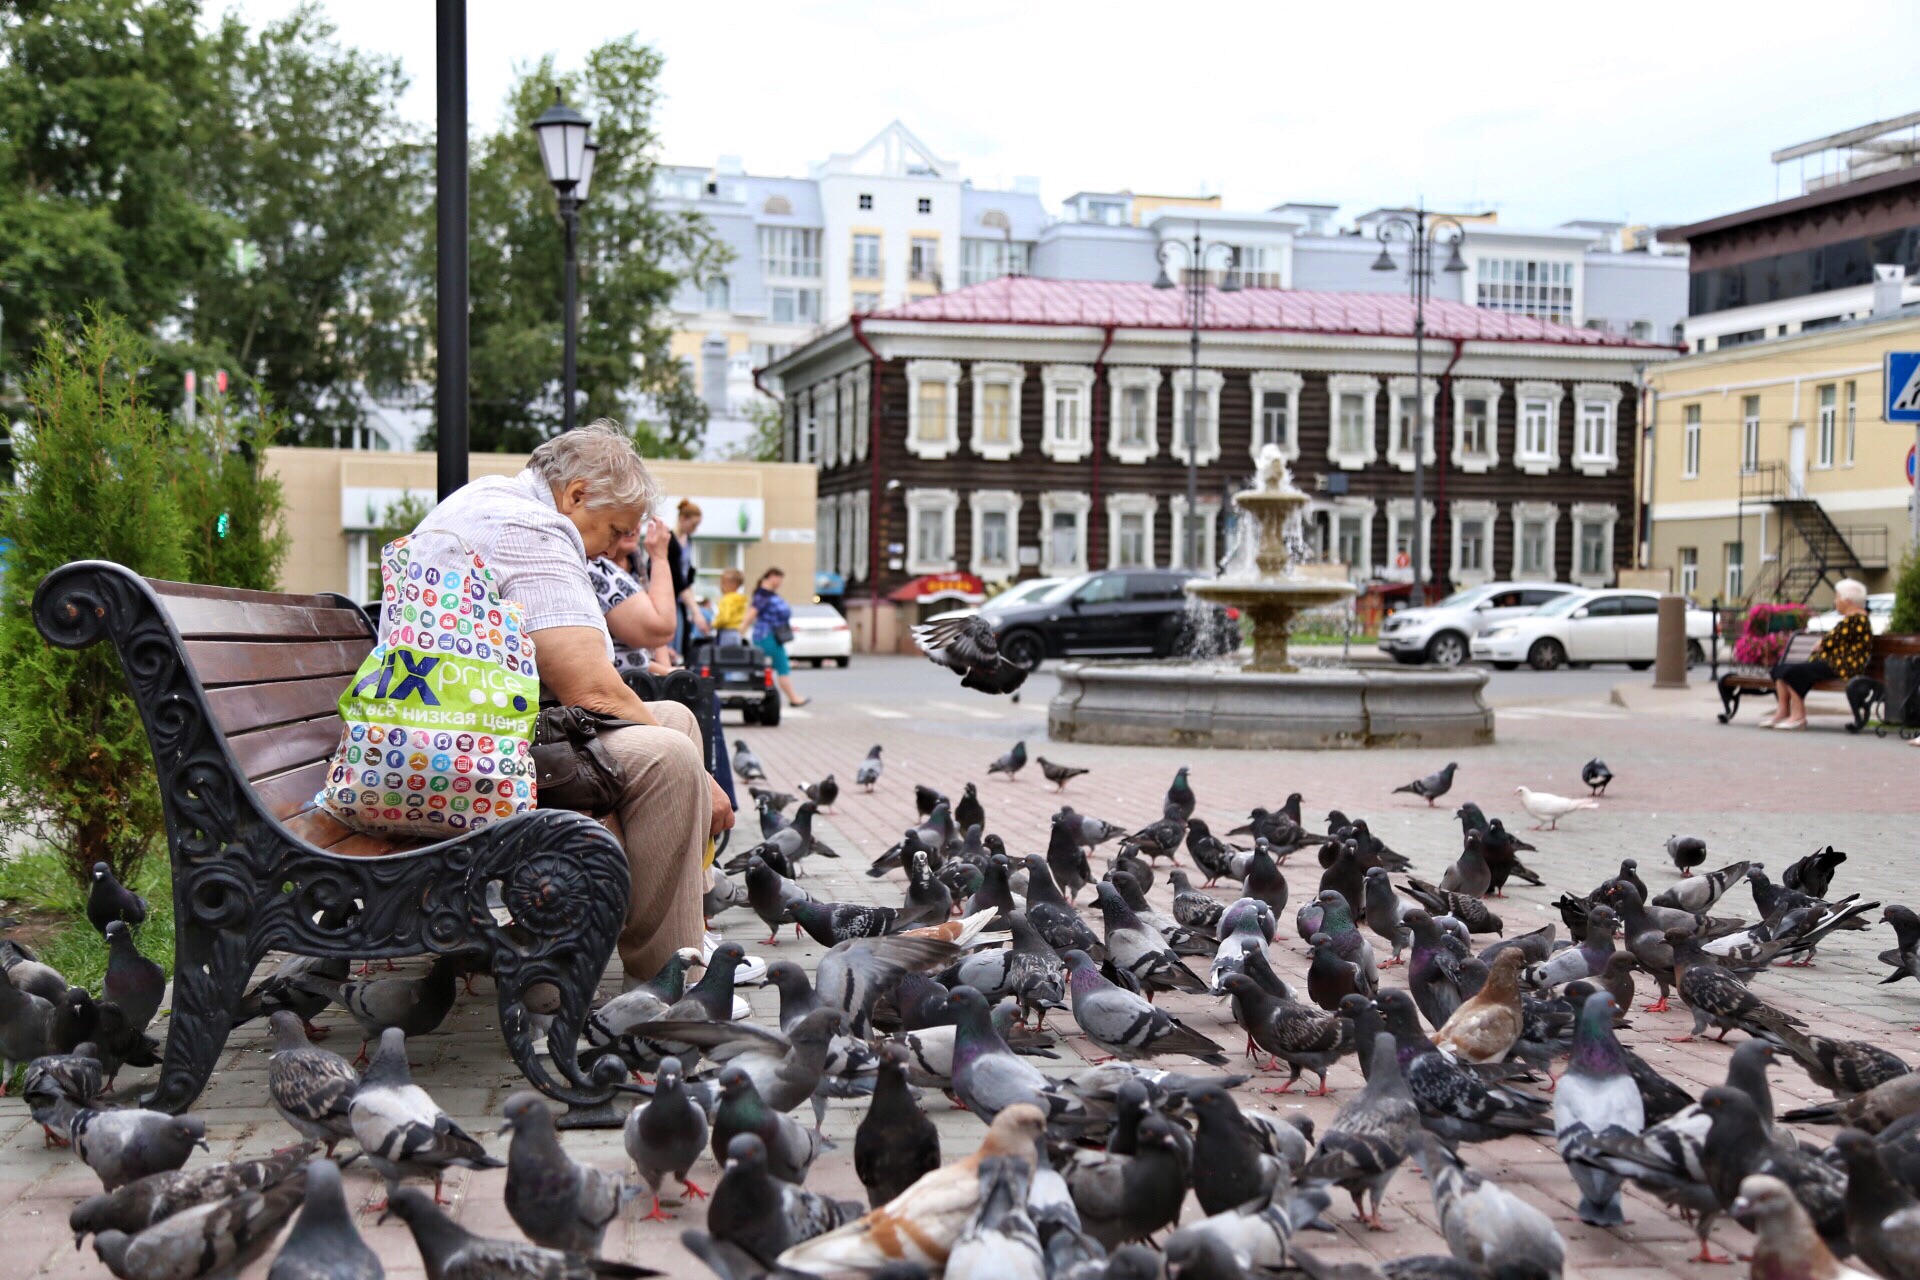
968,647
1433,786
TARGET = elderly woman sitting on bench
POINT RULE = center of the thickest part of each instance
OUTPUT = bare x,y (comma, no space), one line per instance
1842,655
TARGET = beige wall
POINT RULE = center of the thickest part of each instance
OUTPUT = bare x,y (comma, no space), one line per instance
323,551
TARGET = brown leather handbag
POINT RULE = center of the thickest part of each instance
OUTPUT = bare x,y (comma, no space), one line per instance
572,767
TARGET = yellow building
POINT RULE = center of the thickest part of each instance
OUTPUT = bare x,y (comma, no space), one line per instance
755,515
1771,472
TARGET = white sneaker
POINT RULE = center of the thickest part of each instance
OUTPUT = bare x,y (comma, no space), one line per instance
752,970
741,1009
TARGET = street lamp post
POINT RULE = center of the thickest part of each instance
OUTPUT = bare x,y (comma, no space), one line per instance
567,156
1422,233
1196,255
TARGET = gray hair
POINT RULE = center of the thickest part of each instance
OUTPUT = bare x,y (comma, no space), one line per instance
1850,589
600,453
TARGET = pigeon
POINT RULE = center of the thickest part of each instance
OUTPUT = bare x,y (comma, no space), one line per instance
132,981
1468,910
896,1144
401,1129
1581,960
1066,859
828,923
1210,853
451,1252
666,1135
1124,1024
1486,1226
109,900
25,971
1232,1163
1785,1244
1433,971
1883,1217
1454,1101
968,811
1698,893
414,1006
1717,996
1813,874
1878,1108
968,647
323,1244
853,974
791,1146
1596,1099
1160,838
987,1076
1687,853
644,1001
770,894
1433,786
211,1240
1191,908
554,1200
761,1215
139,1204
1264,880
80,1018
786,847
1738,1145
922,1223
56,1080
1485,1026
1289,1031
311,1088
1382,909
1058,774
1138,949
1245,928
1001,1242
1010,763
287,988
1128,1196
746,765
1369,1136
868,774
1030,971
1469,873
1090,832
1845,1066
1547,809
125,1144
26,1025
1331,979
1596,775
823,793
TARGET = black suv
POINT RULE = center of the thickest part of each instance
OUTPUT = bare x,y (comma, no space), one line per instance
1141,613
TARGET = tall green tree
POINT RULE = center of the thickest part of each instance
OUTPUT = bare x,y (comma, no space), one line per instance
633,252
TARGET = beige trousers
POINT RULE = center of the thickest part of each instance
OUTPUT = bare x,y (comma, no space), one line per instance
665,810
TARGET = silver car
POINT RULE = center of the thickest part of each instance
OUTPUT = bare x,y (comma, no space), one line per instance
1443,633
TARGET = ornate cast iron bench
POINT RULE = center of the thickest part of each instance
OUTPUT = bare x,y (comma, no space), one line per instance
238,691
1866,693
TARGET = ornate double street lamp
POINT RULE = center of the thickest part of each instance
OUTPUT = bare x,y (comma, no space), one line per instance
1422,234
1196,255
568,157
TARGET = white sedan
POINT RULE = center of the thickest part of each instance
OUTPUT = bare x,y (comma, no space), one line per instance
820,635
1879,615
1610,625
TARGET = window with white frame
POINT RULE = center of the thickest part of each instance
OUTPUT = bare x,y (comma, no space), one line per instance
1134,435
996,410
1535,526
1406,419
719,294
1063,533
1851,421
809,443
790,251
1400,538
866,257
1341,532
826,535
1826,437
930,530
831,418
1689,571
1130,530
1593,543
1597,406
1350,442
1736,554
849,423
1690,443
843,558
859,501
1536,449
996,533
793,306
1196,416
1276,412
1201,534
1749,434
1067,433
1472,543
1476,417
1526,286
933,395
863,421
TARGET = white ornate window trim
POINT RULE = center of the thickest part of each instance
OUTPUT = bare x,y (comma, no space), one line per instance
1209,534
1486,513
843,557
1265,382
1207,446
807,446
1129,504
1484,460
1607,516
1054,380
1604,397
862,411
1052,504
1400,518
1397,388
1367,387
1532,461
1334,508
924,505
1119,382
919,373
987,374
861,503
1523,513
826,536
979,503
850,422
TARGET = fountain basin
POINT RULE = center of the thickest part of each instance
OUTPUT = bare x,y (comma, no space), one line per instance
1222,704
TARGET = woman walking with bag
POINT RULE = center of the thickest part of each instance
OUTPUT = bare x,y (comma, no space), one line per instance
772,628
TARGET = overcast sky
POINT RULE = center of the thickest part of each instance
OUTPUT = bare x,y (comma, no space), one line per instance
1662,113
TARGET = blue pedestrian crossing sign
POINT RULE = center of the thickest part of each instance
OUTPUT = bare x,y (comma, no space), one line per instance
1903,386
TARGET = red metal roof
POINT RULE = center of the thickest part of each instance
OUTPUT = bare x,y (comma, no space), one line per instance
1024,300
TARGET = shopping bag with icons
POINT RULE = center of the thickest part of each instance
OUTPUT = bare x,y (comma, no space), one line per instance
440,716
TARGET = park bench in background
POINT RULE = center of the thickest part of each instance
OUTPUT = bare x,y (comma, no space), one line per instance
1866,693
239,692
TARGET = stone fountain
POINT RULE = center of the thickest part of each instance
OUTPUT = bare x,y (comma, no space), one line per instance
1260,699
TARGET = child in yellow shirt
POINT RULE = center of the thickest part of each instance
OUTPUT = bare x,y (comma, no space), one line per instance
731,613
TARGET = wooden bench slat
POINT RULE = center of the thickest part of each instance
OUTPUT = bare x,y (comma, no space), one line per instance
220,662
286,746
198,618
165,589
242,707
284,794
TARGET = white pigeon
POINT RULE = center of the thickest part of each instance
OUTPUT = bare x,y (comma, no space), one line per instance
1549,808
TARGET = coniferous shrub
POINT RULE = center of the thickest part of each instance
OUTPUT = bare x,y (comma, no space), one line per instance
1906,595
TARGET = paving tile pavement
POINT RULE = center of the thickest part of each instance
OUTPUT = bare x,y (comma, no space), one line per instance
1748,793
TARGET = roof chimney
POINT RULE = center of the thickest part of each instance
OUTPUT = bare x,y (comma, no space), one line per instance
1889,283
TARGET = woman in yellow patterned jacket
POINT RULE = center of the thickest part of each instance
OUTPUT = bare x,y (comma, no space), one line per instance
1842,655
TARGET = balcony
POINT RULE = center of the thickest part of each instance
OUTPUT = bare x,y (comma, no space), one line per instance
865,268
790,268
924,273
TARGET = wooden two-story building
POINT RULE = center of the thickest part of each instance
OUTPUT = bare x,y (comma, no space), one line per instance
1028,427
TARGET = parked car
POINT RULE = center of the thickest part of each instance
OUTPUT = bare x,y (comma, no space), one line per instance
1018,593
1114,613
1443,633
820,635
1879,615
1584,627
